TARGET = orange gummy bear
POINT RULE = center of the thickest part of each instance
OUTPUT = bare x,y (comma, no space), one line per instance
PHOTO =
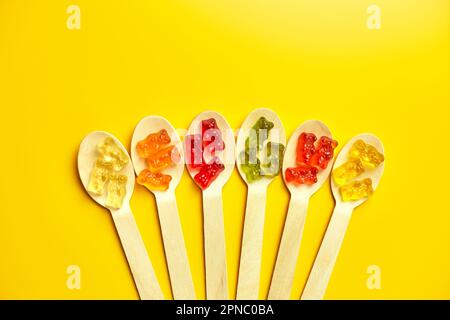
154,181
163,158
153,143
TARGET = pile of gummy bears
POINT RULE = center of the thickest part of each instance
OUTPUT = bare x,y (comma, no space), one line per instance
310,158
198,147
106,171
159,154
250,157
361,157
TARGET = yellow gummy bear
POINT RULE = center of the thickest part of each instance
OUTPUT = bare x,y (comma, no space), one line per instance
99,176
116,190
111,152
368,154
347,171
356,190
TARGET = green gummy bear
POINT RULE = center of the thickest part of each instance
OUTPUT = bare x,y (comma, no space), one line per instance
275,155
259,134
252,170
250,164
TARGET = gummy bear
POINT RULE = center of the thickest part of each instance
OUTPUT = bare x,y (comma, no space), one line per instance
99,176
275,154
250,166
194,150
302,174
211,136
154,181
207,142
208,173
153,143
111,152
347,171
163,158
116,190
356,190
305,147
208,124
324,152
258,134
368,154
263,123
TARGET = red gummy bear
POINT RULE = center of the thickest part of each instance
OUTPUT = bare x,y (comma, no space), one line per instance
305,147
208,173
324,152
209,124
211,135
194,150
303,174
212,140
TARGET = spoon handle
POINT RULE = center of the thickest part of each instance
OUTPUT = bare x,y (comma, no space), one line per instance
326,258
283,274
252,241
174,246
138,260
215,251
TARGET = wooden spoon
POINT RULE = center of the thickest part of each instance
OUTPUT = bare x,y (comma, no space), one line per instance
326,258
252,238
177,260
214,233
283,274
132,243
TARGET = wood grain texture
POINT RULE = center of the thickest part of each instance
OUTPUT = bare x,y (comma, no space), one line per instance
174,247
215,249
283,274
138,260
252,241
319,277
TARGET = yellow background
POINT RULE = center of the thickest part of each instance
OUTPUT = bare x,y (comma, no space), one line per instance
304,59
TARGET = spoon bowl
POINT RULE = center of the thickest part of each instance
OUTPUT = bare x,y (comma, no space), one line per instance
277,134
319,129
226,156
374,174
153,124
87,155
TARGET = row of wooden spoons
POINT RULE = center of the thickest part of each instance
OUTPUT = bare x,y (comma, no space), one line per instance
214,237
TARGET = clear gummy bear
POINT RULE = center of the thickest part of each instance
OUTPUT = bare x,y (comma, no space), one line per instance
116,190
111,152
99,176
